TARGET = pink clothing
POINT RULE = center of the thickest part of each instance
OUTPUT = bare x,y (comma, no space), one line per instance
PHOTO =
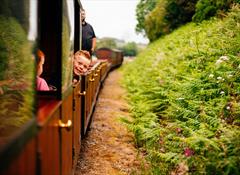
42,84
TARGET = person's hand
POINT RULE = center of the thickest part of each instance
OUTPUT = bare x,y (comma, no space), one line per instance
52,88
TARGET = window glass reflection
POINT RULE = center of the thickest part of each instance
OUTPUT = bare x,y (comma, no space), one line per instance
16,65
67,43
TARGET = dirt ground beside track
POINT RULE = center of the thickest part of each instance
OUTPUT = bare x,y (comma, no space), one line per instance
108,148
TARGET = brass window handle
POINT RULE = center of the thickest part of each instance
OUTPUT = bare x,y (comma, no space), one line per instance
67,125
81,93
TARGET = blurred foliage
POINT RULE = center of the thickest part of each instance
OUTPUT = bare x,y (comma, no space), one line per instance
184,93
18,9
67,51
15,50
208,8
16,76
167,16
106,42
155,24
161,17
144,7
130,49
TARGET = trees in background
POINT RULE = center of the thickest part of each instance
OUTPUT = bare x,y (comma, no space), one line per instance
159,17
128,48
106,42
167,16
144,7
208,8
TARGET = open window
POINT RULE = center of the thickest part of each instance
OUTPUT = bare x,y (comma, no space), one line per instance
56,40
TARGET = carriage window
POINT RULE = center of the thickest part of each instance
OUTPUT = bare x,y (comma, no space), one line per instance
18,31
67,43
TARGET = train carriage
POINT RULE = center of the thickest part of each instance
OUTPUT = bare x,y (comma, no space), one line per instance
113,56
41,131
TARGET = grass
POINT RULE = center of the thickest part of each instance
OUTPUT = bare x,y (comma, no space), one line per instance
184,96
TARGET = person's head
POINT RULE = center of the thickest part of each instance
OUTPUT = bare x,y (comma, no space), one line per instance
40,62
83,14
81,62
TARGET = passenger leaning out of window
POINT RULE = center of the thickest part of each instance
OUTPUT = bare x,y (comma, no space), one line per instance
81,63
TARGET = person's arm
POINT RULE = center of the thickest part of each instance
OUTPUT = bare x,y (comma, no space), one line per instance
94,40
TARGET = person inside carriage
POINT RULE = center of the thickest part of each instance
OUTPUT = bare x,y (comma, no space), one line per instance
41,83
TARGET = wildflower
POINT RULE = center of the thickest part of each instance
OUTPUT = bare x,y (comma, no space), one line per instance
191,43
161,82
219,78
211,76
188,152
219,61
162,150
228,107
180,98
161,141
230,75
178,130
224,58
222,92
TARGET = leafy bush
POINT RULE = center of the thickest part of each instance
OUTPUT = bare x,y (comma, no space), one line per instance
144,7
180,12
208,8
167,16
130,49
185,99
106,42
155,24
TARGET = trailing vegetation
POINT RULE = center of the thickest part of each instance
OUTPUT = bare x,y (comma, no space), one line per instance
184,92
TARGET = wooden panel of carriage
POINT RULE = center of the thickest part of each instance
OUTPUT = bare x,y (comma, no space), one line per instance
90,89
77,124
48,138
24,163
